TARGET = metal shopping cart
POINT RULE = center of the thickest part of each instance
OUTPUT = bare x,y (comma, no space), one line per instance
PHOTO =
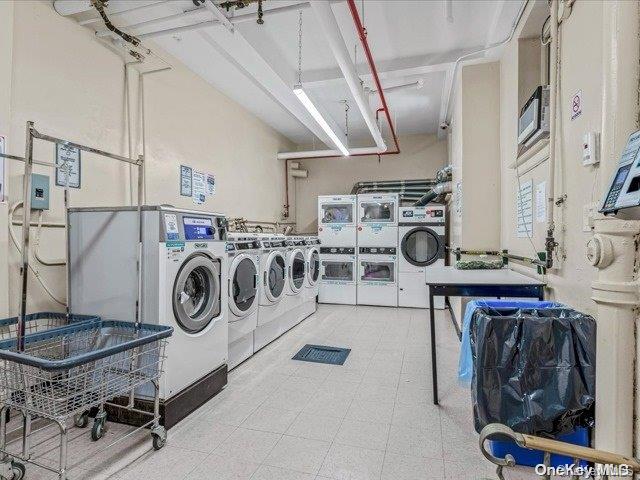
54,369
64,372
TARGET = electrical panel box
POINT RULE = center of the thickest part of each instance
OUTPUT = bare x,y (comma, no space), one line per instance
39,192
591,149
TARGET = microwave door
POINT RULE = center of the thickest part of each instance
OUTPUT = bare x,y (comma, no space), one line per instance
529,122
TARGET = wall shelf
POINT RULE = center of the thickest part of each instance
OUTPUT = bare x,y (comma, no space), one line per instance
536,155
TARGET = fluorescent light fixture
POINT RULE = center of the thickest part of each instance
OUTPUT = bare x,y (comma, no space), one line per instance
308,104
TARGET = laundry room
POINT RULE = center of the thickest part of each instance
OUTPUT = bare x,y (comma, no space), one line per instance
319,240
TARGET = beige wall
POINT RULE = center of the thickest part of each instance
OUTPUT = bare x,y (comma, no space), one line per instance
420,157
474,153
73,87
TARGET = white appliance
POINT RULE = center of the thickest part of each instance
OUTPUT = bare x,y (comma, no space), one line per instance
312,277
337,220
273,266
377,276
294,287
421,236
184,285
377,220
337,275
244,291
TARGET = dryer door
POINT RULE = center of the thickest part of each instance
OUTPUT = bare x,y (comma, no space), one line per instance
243,285
196,293
334,270
422,246
377,270
274,276
313,266
297,270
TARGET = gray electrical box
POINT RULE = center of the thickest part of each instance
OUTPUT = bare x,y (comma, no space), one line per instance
39,192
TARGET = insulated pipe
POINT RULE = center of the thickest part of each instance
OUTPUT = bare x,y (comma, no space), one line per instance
550,243
434,193
328,22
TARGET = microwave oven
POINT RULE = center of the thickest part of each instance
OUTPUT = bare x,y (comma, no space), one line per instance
533,124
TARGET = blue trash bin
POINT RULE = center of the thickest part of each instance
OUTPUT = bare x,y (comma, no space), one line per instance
465,363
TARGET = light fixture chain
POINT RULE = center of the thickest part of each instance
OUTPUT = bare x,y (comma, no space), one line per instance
300,48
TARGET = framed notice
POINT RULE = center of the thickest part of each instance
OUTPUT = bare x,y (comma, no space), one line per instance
67,160
186,181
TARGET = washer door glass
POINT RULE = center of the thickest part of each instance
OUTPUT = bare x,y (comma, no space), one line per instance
314,266
378,212
297,270
196,293
244,287
421,246
337,271
377,271
275,276
333,213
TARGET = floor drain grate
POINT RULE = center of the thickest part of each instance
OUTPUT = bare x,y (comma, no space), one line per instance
322,354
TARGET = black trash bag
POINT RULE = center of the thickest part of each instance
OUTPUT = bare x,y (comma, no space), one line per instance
534,369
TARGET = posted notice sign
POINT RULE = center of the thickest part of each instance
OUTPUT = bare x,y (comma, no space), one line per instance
576,105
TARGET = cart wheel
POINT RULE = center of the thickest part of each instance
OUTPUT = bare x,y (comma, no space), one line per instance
82,420
18,470
97,431
158,441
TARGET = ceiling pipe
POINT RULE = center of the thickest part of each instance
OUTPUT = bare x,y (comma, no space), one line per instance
482,50
372,66
329,24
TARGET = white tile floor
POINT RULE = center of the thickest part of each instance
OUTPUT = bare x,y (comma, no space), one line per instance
280,419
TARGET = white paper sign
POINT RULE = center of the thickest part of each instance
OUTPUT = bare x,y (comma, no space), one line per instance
2,150
524,209
186,186
541,202
67,158
199,187
211,184
171,226
576,105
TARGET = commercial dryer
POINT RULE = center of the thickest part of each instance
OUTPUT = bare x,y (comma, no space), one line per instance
377,220
337,220
421,236
183,284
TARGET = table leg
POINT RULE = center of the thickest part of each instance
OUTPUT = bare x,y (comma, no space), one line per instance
434,361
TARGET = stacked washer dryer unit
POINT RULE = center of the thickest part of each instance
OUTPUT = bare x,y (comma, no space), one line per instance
421,236
244,281
312,277
294,287
377,249
183,284
338,244
272,307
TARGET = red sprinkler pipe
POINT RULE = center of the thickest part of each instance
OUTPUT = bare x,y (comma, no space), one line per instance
372,66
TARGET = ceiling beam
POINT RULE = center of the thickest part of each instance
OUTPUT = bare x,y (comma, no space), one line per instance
238,51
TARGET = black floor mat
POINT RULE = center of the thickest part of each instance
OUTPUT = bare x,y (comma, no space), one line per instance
323,354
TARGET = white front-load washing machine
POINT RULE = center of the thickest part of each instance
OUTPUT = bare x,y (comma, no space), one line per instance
338,272
377,220
421,236
337,220
183,284
244,290
378,276
296,272
312,276
273,266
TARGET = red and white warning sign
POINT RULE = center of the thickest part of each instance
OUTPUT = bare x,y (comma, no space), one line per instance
576,105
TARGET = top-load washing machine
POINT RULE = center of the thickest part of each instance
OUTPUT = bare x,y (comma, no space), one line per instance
421,236
294,287
244,290
273,267
183,284
377,220
337,220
